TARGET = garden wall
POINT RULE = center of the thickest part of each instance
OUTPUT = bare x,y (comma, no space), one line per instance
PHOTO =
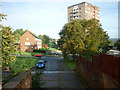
22,80
102,72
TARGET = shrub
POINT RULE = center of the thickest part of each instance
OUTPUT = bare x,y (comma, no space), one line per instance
8,45
37,80
22,64
41,50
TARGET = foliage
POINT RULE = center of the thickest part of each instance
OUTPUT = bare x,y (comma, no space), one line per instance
88,57
18,33
71,64
2,17
36,80
25,53
41,50
111,43
29,53
45,39
8,46
118,44
22,64
82,37
7,42
53,49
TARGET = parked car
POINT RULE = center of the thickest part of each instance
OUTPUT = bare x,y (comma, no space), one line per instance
37,55
43,58
40,64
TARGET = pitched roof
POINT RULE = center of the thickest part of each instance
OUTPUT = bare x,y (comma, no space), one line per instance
31,34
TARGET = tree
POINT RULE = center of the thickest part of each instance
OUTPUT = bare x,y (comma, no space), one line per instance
18,33
118,44
2,17
8,46
45,39
111,43
82,37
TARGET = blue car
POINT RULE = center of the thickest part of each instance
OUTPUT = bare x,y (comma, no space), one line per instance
43,58
40,64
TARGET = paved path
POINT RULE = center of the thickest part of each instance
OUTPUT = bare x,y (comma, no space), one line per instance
57,75
61,79
55,63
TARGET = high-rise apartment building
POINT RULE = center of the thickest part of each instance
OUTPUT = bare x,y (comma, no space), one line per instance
83,10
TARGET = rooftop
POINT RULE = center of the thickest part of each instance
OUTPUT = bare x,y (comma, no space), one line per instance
82,3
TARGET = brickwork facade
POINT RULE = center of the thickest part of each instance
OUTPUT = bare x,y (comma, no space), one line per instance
29,42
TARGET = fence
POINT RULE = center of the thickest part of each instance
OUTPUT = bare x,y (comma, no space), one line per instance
103,64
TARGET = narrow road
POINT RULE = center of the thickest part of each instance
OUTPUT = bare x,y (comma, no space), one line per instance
57,75
55,63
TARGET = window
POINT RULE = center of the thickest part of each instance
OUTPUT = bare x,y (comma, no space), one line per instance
27,43
86,11
85,4
38,43
75,7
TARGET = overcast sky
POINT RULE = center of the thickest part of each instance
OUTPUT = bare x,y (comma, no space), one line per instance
48,17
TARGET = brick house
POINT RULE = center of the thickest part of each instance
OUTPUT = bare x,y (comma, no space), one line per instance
29,42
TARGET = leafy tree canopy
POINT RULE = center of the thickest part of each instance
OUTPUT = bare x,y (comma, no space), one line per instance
118,44
18,33
45,39
7,42
83,37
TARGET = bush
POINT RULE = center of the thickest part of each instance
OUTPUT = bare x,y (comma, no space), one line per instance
41,50
37,80
88,57
22,64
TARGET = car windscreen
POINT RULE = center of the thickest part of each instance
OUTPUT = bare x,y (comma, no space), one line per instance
40,63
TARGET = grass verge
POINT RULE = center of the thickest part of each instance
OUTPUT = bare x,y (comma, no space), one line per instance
71,64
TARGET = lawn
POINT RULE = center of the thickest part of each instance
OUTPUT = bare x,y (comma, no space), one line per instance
30,53
71,64
53,49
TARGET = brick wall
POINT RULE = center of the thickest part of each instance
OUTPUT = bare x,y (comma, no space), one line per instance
22,81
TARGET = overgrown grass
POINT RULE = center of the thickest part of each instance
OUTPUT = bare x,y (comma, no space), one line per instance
22,64
37,80
71,64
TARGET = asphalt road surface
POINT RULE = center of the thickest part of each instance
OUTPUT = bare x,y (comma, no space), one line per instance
57,75
55,63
